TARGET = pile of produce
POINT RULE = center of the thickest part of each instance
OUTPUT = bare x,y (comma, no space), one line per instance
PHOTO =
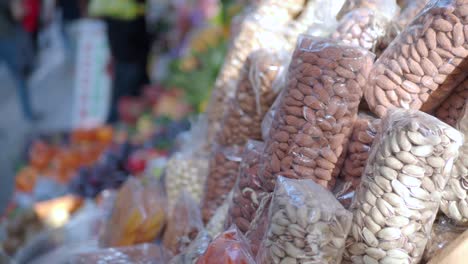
335,133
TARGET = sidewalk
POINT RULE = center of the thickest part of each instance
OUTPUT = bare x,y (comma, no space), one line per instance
52,97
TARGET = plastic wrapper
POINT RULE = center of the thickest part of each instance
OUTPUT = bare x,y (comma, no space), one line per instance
138,215
424,63
306,224
194,250
188,168
455,196
255,32
263,76
451,109
144,253
409,11
364,131
248,192
400,192
183,225
223,172
316,112
229,247
366,27
443,232
259,225
350,5
216,224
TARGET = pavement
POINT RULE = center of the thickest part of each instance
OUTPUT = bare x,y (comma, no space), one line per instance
52,96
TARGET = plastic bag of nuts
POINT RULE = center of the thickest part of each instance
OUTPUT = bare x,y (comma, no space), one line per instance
263,76
306,225
223,172
255,32
443,232
247,192
455,196
183,224
216,224
259,224
366,27
316,111
194,250
229,247
399,196
424,63
187,169
451,109
409,11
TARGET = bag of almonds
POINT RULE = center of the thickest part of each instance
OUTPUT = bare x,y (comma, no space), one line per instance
259,225
366,26
409,11
306,224
262,78
399,195
187,169
455,196
194,250
229,247
316,111
256,32
183,224
247,192
443,232
223,172
424,63
452,108
216,224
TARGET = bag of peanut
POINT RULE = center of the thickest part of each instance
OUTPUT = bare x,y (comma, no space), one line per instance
424,63
306,224
316,111
400,192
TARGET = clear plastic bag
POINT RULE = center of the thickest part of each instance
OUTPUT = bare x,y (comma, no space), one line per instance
183,225
259,224
454,202
262,78
255,32
316,111
385,5
364,131
366,27
138,215
306,224
194,250
424,63
443,232
399,195
223,172
452,108
409,11
247,192
229,247
188,168
144,253
216,224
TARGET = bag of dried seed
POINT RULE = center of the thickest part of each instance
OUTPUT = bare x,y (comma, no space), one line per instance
259,225
247,192
306,224
229,247
424,63
187,169
194,250
455,196
400,192
409,11
451,109
316,111
262,78
183,224
366,25
216,224
222,175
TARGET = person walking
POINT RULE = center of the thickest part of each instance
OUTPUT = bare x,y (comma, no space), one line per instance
11,13
129,44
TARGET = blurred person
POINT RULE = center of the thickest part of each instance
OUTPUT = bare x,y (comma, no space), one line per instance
12,51
129,45
30,20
